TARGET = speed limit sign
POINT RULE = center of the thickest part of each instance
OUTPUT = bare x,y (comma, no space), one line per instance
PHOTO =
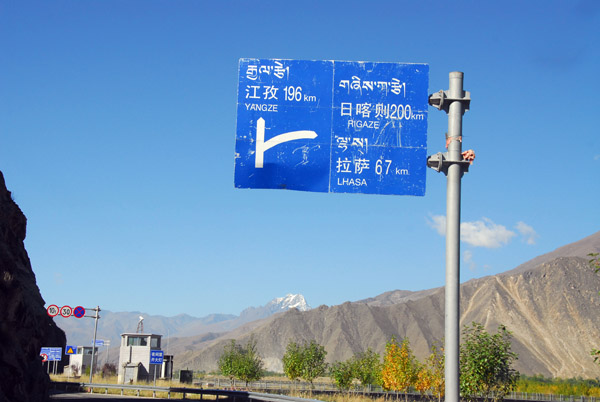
66,311
52,310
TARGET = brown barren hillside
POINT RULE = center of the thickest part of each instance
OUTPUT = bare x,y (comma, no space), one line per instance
553,309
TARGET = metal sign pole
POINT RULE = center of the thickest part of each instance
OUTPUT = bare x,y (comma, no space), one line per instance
97,310
455,102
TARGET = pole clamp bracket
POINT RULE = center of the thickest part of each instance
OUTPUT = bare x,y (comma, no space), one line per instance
441,101
440,163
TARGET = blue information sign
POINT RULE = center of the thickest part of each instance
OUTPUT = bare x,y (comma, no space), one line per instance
332,126
156,356
52,354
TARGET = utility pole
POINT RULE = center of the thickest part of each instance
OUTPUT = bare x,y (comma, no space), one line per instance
453,164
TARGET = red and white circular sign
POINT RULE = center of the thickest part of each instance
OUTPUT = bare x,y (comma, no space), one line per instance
52,310
44,357
66,311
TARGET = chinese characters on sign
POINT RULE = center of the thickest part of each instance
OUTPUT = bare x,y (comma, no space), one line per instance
156,356
330,126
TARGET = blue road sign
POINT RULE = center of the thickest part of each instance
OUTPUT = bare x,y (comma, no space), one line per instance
332,126
53,354
70,350
79,312
156,356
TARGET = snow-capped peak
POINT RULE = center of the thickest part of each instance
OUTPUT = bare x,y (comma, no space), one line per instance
288,302
276,305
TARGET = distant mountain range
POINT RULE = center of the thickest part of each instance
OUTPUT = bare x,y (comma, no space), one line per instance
550,303
113,324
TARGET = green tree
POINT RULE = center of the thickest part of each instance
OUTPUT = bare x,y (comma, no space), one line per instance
313,361
306,361
229,359
367,367
251,365
242,362
292,361
485,363
343,373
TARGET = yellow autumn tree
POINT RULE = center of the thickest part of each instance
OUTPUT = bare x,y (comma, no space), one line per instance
400,367
435,364
430,376
424,380
390,366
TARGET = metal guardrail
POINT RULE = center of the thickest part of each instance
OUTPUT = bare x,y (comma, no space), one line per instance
244,396
377,391
236,396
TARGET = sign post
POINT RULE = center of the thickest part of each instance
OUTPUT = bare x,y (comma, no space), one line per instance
51,354
156,357
454,102
95,317
107,345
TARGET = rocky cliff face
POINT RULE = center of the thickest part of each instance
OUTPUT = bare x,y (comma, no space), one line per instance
25,326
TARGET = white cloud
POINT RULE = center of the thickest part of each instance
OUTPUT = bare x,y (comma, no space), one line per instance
438,222
481,233
485,233
468,259
527,232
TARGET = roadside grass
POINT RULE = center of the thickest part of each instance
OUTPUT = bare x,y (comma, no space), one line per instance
559,386
338,397
531,385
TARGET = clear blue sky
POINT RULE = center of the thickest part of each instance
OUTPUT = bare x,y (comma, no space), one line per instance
117,137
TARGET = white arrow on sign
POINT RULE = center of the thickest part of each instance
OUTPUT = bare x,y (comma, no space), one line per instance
262,145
